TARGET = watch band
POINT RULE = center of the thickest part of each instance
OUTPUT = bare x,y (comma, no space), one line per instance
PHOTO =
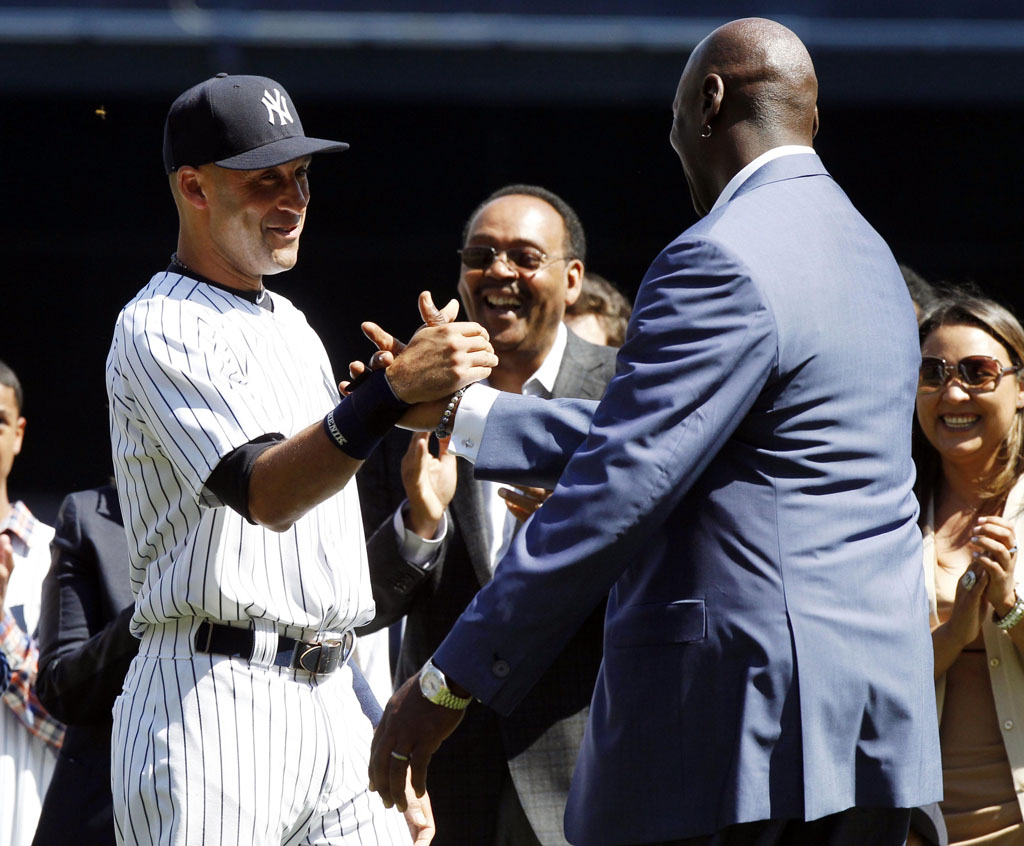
1013,616
434,688
449,700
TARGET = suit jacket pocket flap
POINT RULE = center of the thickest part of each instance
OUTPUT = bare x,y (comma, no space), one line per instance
658,623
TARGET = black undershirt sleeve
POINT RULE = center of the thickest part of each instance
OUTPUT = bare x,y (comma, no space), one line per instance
229,482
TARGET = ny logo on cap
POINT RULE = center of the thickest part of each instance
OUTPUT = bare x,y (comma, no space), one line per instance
277,104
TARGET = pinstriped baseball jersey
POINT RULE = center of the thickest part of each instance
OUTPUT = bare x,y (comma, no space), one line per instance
193,372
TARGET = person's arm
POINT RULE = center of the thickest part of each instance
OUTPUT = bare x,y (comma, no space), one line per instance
994,544
707,347
297,474
407,550
201,415
949,638
419,815
84,653
22,656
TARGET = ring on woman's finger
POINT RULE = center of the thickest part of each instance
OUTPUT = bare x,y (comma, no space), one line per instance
967,581
398,756
1013,549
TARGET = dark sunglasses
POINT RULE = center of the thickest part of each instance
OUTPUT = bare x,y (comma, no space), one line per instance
975,373
524,259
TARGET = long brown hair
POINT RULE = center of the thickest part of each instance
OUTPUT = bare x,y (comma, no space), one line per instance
966,308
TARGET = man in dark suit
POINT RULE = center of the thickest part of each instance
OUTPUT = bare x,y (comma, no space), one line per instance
500,779
85,647
745,488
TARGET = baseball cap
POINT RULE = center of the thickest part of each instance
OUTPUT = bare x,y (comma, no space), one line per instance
237,122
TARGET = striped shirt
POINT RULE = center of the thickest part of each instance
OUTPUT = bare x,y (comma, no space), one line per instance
29,736
194,372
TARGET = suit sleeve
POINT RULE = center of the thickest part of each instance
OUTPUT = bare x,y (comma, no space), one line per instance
394,580
84,654
701,346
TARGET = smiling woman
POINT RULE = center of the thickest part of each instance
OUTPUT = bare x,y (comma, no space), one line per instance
970,462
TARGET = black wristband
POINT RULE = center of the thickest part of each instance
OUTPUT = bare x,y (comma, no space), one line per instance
361,420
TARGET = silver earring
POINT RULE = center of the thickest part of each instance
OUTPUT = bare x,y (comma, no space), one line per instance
706,131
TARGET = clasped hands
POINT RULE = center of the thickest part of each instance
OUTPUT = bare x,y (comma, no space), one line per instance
441,357
416,372
990,576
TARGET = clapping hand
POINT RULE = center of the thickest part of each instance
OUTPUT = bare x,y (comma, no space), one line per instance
994,551
429,484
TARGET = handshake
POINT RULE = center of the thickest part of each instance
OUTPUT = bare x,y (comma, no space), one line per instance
442,357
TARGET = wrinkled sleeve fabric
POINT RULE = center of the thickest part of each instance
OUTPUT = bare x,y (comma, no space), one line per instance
700,347
192,398
396,581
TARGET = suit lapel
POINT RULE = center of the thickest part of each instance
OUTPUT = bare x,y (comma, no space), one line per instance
578,375
468,508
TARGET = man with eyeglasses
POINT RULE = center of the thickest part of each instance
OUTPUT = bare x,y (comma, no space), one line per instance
499,780
745,488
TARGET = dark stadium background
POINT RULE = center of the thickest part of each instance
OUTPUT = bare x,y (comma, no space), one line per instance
921,122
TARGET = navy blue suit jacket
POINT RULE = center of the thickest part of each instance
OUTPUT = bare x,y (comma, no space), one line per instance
745,489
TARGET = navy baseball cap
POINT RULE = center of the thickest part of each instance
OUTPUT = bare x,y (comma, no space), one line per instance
237,122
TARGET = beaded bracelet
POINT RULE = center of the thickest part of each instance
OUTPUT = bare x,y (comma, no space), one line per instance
1013,616
442,431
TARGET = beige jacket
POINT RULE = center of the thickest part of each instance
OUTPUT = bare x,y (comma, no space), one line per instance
1006,669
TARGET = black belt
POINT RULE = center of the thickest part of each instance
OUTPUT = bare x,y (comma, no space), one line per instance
318,658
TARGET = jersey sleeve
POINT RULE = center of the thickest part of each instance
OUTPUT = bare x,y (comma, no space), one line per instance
186,387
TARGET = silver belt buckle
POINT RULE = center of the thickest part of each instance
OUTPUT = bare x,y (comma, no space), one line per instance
325,657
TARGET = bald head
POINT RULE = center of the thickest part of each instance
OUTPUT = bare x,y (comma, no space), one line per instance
748,87
768,71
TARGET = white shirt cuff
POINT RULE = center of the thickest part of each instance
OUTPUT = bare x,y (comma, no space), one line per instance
415,549
470,420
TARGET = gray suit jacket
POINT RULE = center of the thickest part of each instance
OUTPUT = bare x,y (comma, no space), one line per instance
541,739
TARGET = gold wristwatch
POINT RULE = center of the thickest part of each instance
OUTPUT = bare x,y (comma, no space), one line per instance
434,687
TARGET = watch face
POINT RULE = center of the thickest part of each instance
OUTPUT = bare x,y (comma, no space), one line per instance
431,683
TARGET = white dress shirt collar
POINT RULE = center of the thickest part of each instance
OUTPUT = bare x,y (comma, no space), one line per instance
542,382
732,186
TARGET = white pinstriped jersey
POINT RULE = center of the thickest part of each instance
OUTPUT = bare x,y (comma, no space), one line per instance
194,372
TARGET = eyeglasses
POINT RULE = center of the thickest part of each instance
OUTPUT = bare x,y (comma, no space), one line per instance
976,373
526,260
